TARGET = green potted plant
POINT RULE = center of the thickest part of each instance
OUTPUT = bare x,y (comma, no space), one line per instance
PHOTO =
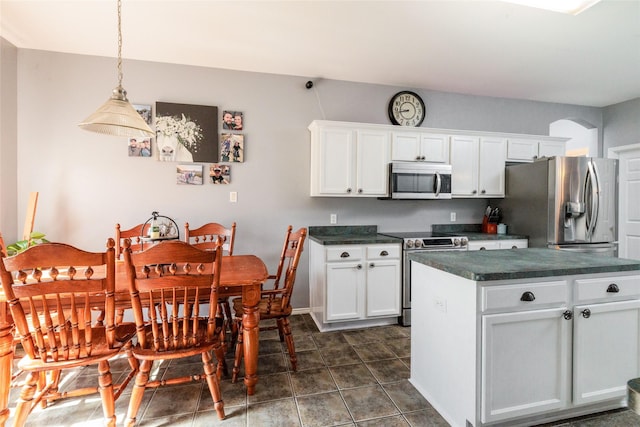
35,238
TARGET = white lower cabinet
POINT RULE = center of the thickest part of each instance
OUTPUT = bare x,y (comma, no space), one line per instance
481,245
354,285
538,359
539,349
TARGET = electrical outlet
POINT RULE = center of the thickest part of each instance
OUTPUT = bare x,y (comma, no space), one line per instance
453,217
233,196
333,219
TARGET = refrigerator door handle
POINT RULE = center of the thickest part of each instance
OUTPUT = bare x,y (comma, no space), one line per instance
592,196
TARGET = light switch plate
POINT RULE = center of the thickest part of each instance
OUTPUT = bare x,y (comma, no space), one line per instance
233,196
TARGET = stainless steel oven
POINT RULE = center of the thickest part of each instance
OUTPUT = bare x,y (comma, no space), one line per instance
421,242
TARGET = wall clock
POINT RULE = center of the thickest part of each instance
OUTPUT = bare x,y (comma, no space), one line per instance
406,109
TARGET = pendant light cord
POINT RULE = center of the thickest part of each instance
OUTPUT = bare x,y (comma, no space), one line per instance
120,43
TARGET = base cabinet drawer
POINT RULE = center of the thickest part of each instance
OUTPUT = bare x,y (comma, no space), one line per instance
524,296
608,288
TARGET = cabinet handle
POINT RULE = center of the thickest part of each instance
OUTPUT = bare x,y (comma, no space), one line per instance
568,315
535,157
359,190
586,313
474,191
417,157
372,265
613,288
482,248
514,247
483,191
384,253
345,255
359,266
348,190
527,296
423,158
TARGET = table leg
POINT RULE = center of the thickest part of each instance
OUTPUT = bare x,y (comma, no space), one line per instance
6,362
250,326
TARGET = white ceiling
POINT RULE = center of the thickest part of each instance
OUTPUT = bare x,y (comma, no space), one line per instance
478,47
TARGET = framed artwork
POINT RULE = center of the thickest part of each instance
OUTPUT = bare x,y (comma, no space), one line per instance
144,111
220,174
232,120
139,147
190,174
186,133
232,147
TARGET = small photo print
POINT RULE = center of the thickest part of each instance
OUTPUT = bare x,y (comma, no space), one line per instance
189,174
232,147
232,120
220,174
144,111
139,147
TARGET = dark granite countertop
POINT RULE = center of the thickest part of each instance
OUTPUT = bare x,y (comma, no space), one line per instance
487,236
349,235
521,263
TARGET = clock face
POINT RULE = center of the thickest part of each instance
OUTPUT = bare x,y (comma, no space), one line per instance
406,109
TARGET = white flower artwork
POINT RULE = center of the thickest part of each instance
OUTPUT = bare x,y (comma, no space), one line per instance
186,133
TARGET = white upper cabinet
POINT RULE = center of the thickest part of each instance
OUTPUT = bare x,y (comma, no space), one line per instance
352,159
349,161
527,150
420,147
477,166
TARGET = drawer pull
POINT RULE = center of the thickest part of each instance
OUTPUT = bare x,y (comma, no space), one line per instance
568,314
359,266
371,265
482,248
344,255
586,313
384,253
527,296
613,288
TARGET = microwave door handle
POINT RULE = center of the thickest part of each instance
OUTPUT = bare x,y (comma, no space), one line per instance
438,184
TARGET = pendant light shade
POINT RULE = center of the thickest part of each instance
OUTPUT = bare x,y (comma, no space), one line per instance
117,116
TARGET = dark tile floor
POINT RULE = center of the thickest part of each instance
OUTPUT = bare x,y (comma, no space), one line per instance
348,378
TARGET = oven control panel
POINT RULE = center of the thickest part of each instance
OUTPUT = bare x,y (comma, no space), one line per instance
436,243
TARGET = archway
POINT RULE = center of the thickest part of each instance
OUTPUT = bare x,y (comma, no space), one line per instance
584,136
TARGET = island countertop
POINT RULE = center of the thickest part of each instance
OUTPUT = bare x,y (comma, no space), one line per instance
521,263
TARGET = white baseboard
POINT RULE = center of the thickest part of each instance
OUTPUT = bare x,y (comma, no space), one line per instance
305,310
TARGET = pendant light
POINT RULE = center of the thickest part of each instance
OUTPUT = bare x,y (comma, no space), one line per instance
117,116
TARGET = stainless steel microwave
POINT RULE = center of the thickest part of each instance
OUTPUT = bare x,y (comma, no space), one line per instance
419,180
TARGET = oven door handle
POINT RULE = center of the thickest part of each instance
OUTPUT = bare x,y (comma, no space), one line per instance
438,184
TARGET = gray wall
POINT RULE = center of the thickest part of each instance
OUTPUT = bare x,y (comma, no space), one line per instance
87,182
8,137
621,124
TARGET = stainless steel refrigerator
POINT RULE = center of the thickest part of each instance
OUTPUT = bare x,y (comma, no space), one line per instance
568,203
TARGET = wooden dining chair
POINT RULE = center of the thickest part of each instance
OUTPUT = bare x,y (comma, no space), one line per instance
50,289
275,298
134,234
172,284
205,237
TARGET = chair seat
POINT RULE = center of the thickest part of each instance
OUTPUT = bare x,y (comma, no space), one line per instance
176,348
268,308
99,350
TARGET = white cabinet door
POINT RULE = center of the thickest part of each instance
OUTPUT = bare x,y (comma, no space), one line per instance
415,146
483,245
514,244
345,291
551,148
372,162
493,155
525,363
383,288
336,162
606,350
523,150
464,166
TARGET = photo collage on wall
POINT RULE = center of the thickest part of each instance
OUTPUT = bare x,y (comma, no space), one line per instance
188,134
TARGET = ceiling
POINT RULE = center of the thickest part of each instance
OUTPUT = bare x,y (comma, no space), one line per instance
477,47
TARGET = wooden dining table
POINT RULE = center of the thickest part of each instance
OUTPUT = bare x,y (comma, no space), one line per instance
241,276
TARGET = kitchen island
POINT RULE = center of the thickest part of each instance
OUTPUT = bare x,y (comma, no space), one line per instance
522,337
